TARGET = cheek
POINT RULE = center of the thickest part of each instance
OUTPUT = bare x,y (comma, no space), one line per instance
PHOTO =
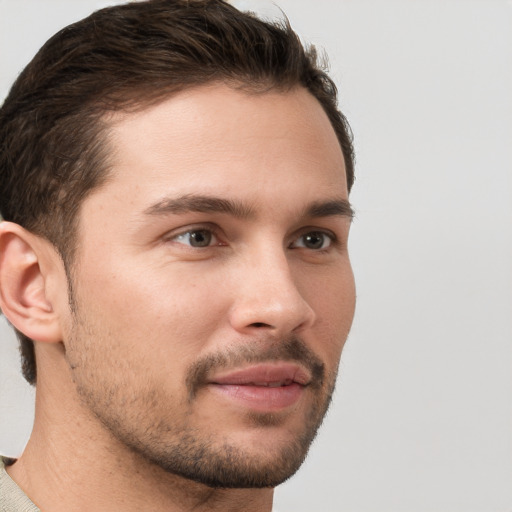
162,309
332,297
331,292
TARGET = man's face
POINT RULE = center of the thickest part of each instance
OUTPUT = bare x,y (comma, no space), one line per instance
213,290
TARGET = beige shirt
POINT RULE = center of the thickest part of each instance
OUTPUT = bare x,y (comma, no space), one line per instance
12,498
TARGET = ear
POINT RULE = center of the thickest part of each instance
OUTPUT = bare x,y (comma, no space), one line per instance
24,274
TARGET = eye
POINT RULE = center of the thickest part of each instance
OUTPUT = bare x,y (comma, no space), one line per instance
314,240
196,238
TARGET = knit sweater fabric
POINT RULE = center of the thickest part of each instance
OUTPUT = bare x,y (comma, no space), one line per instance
12,498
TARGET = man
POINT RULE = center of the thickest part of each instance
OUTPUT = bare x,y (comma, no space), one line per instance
174,189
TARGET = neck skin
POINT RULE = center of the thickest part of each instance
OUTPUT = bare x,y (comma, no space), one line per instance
71,463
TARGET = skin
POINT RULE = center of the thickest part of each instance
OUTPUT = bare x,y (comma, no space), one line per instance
128,376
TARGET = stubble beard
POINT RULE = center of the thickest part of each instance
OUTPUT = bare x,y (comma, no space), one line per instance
180,448
203,459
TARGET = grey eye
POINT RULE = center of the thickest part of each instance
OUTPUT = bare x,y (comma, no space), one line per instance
314,240
195,238
200,238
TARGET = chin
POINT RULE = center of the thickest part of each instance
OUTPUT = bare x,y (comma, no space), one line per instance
231,466
263,455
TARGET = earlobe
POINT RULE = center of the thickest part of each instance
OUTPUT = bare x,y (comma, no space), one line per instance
23,284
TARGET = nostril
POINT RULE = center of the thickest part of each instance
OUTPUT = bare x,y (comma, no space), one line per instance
259,324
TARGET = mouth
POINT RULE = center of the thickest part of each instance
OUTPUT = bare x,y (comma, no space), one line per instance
266,387
276,384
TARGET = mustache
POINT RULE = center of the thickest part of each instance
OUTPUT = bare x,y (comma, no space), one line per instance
292,349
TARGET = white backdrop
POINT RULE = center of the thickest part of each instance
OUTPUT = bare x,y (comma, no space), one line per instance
422,418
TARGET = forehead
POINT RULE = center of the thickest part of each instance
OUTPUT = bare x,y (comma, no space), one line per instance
217,140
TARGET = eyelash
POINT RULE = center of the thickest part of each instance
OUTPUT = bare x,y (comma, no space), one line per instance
189,232
331,237
333,240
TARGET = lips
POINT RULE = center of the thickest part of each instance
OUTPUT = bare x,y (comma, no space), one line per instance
265,387
265,374
275,384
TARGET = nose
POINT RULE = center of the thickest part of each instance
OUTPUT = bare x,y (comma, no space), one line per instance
268,299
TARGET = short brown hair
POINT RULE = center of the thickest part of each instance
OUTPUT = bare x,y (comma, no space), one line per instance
121,58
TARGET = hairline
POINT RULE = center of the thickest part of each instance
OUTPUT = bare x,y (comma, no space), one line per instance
105,122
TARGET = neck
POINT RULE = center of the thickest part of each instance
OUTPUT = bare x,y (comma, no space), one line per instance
71,463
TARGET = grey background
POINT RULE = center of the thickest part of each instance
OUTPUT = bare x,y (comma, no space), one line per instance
422,418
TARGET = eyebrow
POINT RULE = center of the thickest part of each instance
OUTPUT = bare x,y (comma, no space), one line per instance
202,204
333,207
209,204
